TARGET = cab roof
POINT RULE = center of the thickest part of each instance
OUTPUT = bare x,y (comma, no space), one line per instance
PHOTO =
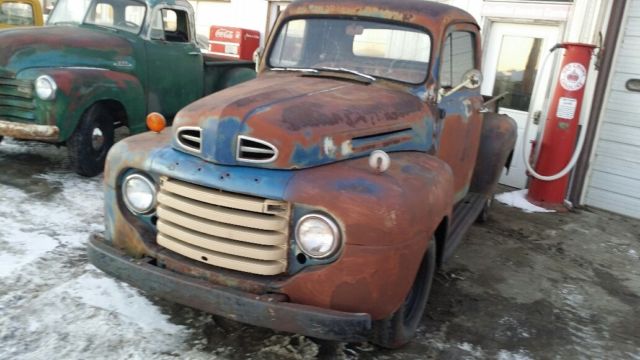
433,16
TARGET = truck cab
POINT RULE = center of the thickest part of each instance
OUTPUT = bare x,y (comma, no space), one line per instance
320,197
14,13
103,64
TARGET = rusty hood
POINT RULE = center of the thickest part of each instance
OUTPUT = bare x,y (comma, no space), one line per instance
63,46
307,120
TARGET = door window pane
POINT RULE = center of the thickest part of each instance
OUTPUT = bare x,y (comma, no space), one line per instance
13,13
517,69
458,57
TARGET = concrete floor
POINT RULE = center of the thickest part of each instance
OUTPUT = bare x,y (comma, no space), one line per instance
520,286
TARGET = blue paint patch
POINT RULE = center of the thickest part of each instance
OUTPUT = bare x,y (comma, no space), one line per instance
358,186
260,182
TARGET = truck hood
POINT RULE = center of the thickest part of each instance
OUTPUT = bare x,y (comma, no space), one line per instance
292,121
63,46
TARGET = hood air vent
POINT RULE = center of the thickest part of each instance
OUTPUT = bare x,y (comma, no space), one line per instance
255,151
190,138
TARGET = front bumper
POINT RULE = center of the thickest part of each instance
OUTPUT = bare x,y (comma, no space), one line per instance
29,131
229,303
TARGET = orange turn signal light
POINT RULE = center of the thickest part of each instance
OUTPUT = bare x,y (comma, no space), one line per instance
156,122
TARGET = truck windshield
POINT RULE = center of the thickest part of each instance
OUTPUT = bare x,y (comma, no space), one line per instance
377,49
127,15
14,13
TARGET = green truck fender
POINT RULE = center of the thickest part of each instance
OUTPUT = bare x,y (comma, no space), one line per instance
79,88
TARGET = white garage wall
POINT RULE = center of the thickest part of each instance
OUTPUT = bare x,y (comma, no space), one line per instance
614,182
246,14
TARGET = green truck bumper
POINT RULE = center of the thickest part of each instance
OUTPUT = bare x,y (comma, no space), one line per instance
29,131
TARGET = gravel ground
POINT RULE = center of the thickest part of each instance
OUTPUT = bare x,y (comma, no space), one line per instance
522,286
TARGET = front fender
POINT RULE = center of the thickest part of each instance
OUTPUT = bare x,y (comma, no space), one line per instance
387,221
79,88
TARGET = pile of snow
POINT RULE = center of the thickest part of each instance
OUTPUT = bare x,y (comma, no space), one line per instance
518,199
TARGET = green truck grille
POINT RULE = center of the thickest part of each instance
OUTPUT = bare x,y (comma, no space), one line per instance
16,99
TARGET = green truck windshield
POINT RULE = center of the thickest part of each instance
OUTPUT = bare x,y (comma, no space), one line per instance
377,49
125,15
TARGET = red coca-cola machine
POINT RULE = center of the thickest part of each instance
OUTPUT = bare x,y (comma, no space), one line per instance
233,43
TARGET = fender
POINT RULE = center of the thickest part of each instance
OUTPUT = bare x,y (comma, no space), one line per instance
80,88
387,222
498,139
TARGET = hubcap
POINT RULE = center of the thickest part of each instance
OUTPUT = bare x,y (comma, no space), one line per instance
97,139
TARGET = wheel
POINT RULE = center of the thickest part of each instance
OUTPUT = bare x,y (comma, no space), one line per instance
483,217
90,142
399,328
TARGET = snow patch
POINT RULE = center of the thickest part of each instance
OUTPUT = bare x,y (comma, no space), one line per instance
520,355
518,199
94,289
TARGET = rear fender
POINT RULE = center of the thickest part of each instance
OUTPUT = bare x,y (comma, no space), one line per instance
499,133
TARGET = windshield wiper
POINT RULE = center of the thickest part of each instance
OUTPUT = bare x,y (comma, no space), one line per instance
349,71
294,69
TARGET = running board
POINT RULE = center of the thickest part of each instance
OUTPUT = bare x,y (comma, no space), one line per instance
464,215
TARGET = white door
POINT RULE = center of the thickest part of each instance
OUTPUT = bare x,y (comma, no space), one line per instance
512,60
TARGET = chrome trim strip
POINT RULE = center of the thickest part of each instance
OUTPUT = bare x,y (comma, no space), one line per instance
239,149
188,137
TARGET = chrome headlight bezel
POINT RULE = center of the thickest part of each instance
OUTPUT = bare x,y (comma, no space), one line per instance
333,229
45,93
153,191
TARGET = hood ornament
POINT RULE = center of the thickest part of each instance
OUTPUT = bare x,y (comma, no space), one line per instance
379,161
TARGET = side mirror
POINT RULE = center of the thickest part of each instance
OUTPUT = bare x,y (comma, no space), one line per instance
472,79
257,56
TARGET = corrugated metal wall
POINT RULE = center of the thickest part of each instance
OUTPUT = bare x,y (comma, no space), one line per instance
615,177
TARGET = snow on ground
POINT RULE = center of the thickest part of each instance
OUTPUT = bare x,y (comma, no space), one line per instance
518,199
53,304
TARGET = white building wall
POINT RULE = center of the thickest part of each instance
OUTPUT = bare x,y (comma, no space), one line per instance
614,181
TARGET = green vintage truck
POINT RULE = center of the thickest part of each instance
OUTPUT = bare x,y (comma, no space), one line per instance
103,64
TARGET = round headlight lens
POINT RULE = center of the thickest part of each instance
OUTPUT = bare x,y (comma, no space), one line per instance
46,87
139,194
317,236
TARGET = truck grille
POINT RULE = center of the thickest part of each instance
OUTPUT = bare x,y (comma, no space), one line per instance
228,230
16,98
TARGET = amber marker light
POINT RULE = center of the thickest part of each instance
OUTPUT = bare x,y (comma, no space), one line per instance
156,122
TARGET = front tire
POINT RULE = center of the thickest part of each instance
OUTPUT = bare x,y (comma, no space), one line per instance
399,328
90,142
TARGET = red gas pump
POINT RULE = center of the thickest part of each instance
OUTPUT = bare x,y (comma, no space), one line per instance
558,151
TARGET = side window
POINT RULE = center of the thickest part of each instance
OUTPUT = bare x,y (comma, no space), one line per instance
458,56
14,13
171,25
288,48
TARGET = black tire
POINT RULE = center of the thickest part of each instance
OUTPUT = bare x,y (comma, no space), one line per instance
90,142
399,328
484,215
1,137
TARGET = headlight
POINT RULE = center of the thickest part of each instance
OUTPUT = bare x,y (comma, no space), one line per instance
46,87
317,236
139,194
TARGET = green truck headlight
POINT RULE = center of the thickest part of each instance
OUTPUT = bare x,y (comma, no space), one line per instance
139,194
317,236
46,87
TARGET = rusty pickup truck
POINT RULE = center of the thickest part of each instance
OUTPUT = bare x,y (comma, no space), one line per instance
321,197
102,64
